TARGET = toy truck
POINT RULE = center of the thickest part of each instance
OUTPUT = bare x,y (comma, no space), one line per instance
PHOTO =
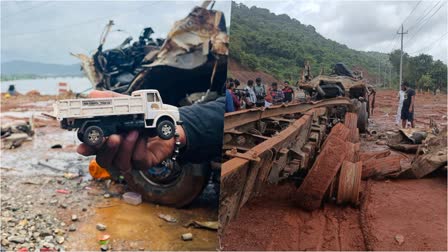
98,118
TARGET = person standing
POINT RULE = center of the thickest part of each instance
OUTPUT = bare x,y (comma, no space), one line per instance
251,98
400,97
260,92
288,92
407,111
276,94
236,101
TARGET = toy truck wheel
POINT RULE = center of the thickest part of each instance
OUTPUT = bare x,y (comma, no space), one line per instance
80,136
166,129
93,136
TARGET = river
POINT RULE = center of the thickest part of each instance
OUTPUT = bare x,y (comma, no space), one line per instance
47,86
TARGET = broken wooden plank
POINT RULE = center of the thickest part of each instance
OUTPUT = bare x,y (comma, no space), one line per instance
364,156
380,168
319,178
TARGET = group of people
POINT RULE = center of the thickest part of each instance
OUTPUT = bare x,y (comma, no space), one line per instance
256,95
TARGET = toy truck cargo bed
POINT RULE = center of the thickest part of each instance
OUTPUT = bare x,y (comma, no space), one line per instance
85,108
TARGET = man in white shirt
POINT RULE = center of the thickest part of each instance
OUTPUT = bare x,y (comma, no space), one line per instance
251,99
400,97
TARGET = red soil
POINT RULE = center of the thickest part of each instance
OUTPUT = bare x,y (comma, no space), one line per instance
415,209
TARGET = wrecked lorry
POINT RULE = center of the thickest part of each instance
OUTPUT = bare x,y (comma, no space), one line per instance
189,66
341,83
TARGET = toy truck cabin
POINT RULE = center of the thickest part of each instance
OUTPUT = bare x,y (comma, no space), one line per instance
98,118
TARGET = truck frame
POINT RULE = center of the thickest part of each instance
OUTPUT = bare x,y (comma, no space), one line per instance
98,118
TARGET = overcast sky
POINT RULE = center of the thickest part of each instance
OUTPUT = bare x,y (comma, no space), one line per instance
372,25
48,31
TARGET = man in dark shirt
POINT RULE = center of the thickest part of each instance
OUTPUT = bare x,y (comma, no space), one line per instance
276,94
288,92
407,111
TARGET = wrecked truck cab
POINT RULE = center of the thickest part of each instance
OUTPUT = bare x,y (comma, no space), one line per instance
342,83
191,62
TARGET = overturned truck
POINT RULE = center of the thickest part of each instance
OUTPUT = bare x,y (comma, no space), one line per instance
290,143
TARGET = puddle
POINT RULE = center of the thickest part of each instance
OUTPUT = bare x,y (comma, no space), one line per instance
139,227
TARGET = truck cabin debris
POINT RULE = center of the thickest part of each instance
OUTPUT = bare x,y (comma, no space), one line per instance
196,49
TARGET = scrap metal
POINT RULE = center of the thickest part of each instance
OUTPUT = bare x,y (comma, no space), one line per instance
272,144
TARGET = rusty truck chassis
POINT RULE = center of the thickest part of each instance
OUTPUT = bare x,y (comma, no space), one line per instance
273,144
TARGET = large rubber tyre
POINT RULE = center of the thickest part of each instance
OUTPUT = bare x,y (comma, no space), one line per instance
179,193
363,117
166,129
93,136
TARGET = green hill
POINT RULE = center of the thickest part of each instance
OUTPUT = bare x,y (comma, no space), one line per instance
279,45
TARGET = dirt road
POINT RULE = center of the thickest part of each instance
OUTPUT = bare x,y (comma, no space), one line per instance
412,209
39,199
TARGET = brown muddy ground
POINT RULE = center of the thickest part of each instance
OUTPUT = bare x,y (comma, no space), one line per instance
34,215
414,209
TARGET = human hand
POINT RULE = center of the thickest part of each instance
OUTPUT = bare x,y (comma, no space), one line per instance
132,150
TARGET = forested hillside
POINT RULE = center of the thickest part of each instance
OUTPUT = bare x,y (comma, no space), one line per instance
279,45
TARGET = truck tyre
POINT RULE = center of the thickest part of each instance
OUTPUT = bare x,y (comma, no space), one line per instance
179,192
166,129
93,136
363,117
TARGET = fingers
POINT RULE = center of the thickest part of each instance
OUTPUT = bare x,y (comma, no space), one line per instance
140,155
124,154
85,150
105,155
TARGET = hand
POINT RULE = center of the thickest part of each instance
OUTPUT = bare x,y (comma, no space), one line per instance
131,150
410,110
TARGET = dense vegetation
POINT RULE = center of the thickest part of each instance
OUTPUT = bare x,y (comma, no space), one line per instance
279,45
421,71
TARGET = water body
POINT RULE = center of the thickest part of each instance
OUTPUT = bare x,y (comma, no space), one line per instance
47,86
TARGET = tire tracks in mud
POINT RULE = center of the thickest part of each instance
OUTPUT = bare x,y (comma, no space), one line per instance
366,229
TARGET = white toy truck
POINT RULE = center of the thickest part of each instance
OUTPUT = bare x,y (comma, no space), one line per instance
98,118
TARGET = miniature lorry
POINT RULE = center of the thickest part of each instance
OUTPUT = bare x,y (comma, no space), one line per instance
98,118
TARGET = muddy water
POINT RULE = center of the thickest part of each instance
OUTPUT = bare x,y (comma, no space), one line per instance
139,227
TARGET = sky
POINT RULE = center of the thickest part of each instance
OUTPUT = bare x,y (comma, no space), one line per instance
47,31
373,25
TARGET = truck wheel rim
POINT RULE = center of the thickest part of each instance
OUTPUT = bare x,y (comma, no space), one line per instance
160,175
94,136
166,130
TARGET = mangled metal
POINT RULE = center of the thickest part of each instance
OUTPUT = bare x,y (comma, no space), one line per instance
270,145
192,60
342,82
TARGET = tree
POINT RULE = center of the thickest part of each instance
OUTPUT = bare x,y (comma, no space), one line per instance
439,75
426,82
